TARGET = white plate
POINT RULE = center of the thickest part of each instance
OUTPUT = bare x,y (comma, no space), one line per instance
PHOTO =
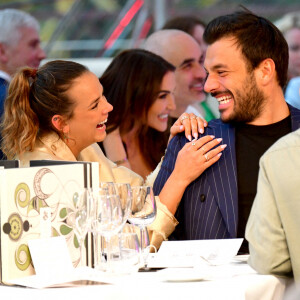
180,275
241,258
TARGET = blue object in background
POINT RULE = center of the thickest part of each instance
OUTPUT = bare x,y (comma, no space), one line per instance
292,93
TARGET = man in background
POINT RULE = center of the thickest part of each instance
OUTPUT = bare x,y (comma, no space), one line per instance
183,51
292,92
195,27
292,37
19,46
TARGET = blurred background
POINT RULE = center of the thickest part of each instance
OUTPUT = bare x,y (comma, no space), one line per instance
94,31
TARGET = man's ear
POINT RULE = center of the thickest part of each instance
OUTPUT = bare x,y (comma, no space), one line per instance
59,123
266,71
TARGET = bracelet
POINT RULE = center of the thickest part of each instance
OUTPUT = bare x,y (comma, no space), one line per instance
120,162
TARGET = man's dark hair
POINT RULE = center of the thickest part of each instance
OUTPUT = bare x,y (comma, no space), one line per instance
257,37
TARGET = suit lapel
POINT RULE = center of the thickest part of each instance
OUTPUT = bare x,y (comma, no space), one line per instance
222,178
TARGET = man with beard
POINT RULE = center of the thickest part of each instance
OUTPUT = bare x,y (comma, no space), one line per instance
246,64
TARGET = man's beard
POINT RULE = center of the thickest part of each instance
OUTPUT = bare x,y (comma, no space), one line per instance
248,102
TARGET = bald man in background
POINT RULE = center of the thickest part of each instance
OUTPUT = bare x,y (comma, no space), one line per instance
183,51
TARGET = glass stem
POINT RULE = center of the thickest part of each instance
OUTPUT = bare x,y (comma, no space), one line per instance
82,252
144,243
96,249
109,253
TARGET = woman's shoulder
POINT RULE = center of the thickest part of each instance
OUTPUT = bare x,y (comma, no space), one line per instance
34,155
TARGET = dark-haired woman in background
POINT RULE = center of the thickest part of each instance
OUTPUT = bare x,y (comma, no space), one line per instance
139,85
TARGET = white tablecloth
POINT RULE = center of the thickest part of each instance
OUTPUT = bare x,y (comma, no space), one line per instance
235,281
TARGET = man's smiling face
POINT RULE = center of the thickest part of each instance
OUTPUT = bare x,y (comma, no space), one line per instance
231,83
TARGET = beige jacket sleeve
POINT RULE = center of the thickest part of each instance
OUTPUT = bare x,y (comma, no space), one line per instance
164,223
273,228
264,230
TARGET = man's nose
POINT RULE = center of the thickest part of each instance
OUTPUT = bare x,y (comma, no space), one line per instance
41,54
200,72
211,84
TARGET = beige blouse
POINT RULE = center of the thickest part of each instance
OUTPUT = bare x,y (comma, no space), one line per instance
51,147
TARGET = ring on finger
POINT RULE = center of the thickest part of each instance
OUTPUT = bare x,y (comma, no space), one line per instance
184,118
193,117
203,149
193,143
206,157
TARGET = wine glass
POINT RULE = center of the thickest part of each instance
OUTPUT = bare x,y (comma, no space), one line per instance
129,259
95,192
125,193
108,219
109,186
143,213
82,219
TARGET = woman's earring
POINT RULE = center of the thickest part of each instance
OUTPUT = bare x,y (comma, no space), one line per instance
66,137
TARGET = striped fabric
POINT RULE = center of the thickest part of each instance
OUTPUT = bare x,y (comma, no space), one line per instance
209,208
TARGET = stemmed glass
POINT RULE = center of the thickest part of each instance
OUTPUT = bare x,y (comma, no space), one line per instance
82,218
143,213
109,186
108,219
125,194
129,259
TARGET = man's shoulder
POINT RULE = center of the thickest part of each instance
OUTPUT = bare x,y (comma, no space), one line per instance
295,112
213,126
216,125
3,79
3,87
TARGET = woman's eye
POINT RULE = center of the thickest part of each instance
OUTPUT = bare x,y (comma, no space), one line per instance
95,106
294,48
162,96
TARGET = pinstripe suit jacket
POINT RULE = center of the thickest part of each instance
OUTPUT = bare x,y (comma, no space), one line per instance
209,207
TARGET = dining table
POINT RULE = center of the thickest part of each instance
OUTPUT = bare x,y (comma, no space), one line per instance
235,280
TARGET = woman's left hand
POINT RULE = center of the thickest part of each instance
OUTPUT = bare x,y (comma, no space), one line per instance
191,124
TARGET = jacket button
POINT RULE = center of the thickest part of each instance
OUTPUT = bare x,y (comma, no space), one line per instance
202,197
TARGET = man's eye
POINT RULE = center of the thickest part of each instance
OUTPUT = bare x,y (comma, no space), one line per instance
187,66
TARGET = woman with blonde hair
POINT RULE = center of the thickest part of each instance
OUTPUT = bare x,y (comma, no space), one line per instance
58,112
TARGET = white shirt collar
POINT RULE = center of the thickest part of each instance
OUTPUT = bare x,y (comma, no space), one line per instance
5,76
